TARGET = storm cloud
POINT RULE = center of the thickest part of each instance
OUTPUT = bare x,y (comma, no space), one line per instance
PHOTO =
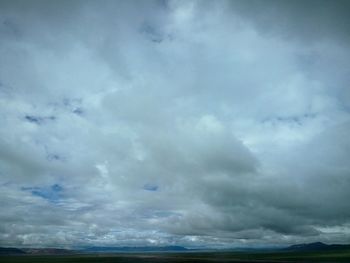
195,123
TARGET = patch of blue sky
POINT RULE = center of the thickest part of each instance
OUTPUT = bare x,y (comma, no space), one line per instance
39,120
53,157
158,214
73,105
52,193
162,214
78,111
150,187
297,119
152,33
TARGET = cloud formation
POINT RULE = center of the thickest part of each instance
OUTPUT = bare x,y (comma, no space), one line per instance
196,123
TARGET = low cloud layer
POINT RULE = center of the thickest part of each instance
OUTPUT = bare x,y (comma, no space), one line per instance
195,123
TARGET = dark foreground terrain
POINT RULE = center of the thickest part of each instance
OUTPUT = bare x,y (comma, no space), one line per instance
319,256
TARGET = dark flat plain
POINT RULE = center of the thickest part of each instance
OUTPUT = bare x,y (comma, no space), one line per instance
196,257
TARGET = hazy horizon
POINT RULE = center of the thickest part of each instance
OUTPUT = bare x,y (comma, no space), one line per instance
192,123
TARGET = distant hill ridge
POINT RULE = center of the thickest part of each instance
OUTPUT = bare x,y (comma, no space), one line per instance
34,251
11,251
317,246
58,251
47,251
135,249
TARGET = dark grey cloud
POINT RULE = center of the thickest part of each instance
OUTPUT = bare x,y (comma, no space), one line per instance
198,123
310,21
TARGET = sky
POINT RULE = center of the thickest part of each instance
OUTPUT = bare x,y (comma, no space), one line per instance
209,124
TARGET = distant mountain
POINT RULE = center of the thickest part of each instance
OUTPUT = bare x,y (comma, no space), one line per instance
317,246
35,251
48,251
11,251
135,249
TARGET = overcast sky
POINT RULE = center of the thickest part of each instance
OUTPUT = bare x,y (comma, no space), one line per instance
193,123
